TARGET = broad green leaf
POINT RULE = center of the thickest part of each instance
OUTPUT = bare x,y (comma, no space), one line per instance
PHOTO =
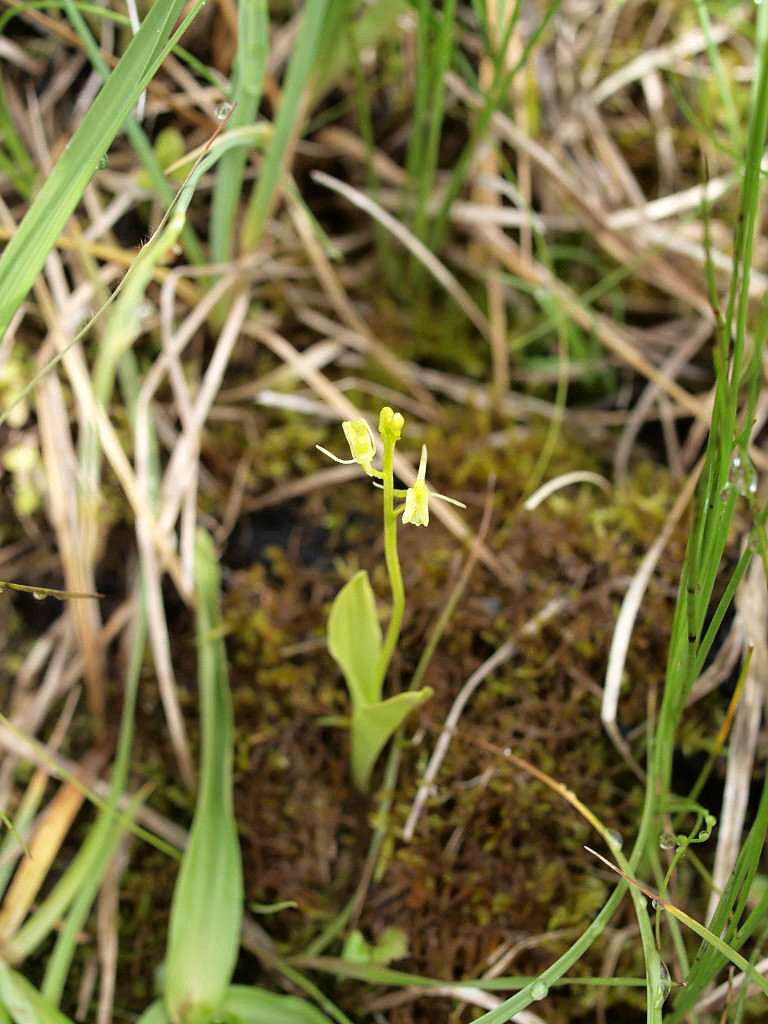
354,638
204,930
154,1014
258,1006
372,727
24,1003
25,254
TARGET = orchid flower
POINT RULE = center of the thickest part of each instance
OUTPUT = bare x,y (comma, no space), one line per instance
416,510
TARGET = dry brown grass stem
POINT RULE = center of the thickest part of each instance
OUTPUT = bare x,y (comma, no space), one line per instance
107,922
625,621
752,613
345,308
178,487
611,334
42,849
65,509
623,248
641,410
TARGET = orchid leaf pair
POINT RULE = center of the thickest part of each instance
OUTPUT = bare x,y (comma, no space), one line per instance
355,642
354,633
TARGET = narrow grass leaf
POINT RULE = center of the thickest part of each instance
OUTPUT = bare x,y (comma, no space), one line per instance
25,254
252,53
288,121
24,1003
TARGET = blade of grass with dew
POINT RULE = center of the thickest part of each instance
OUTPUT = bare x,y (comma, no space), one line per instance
727,919
251,62
288,121
207,907
136,134
25,254
713,515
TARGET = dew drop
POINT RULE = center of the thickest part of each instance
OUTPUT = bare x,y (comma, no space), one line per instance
539,990
665,984
39,595
743,475
667,841
615,839
102,162
655,905
222,111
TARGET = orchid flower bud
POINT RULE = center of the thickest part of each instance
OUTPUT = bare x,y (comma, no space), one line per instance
362,445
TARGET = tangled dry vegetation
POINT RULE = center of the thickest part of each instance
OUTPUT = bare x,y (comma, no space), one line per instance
532,292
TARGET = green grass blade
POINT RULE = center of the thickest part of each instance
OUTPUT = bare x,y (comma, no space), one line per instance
25,254
136,135
17,164
288,120
252,52
24,1003
441,58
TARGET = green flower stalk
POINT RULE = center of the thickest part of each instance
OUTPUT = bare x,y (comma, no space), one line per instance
354,632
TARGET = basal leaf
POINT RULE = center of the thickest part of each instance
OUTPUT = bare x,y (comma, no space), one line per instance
204,931
258,1006
154,1014
373,725
354,638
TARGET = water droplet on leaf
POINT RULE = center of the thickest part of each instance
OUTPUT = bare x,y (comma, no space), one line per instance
665,984
39,595
615,839
539,990
667,841
222,111
743,475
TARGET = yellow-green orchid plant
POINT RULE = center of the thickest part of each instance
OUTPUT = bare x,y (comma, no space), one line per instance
354,632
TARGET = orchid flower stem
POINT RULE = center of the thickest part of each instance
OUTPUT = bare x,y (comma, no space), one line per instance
392,560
